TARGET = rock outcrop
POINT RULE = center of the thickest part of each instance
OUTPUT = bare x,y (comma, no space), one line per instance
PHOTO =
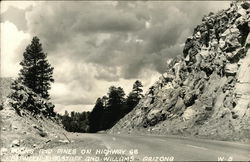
207,91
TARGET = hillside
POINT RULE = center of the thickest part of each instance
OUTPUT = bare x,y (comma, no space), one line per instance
206,92
4,87
25,133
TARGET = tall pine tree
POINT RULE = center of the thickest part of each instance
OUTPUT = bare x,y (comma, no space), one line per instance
115,105
134,96
96,116
36,72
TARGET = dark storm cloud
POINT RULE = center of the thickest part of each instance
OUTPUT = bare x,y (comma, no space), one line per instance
92,44
59,24
108,22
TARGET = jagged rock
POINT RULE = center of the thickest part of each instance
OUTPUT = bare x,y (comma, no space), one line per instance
197,35
207,67
204,53
154,116
231,69
178,107
190,98
236,55
177,67
189,113
15,143
208,102
222,43
168,77
225,113
231,39
34,126
208,108
40,131
229,102
14,127
234,116
242,12
202,118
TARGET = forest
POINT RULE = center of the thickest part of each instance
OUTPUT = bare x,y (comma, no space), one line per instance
108,110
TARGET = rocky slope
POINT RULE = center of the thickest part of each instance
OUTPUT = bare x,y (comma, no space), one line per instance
4,88
207,91
23,134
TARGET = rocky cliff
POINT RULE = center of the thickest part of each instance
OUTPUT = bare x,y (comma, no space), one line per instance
206,92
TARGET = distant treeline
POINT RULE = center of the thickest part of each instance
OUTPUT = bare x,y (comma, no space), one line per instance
108,110
75,121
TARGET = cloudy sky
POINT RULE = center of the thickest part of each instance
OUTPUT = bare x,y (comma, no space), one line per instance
93,45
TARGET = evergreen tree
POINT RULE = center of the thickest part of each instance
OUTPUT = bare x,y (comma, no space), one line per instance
76,122
115,106
134,96
111,108
115,97
36,72
66,120
137,88
96,116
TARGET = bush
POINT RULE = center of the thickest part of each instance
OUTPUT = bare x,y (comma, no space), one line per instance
24,98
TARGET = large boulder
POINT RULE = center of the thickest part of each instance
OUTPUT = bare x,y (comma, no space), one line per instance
189,113
236,55
154,116
15,143
229,39
190,98
231,69
168,77
204,53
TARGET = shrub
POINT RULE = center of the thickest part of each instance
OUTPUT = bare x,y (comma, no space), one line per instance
24,98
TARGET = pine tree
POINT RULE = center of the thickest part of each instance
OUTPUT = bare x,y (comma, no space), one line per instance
95,117
115,97
115,106
134,96
36,72
137,88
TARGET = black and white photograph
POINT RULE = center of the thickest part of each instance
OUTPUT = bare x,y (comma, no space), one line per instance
124,81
